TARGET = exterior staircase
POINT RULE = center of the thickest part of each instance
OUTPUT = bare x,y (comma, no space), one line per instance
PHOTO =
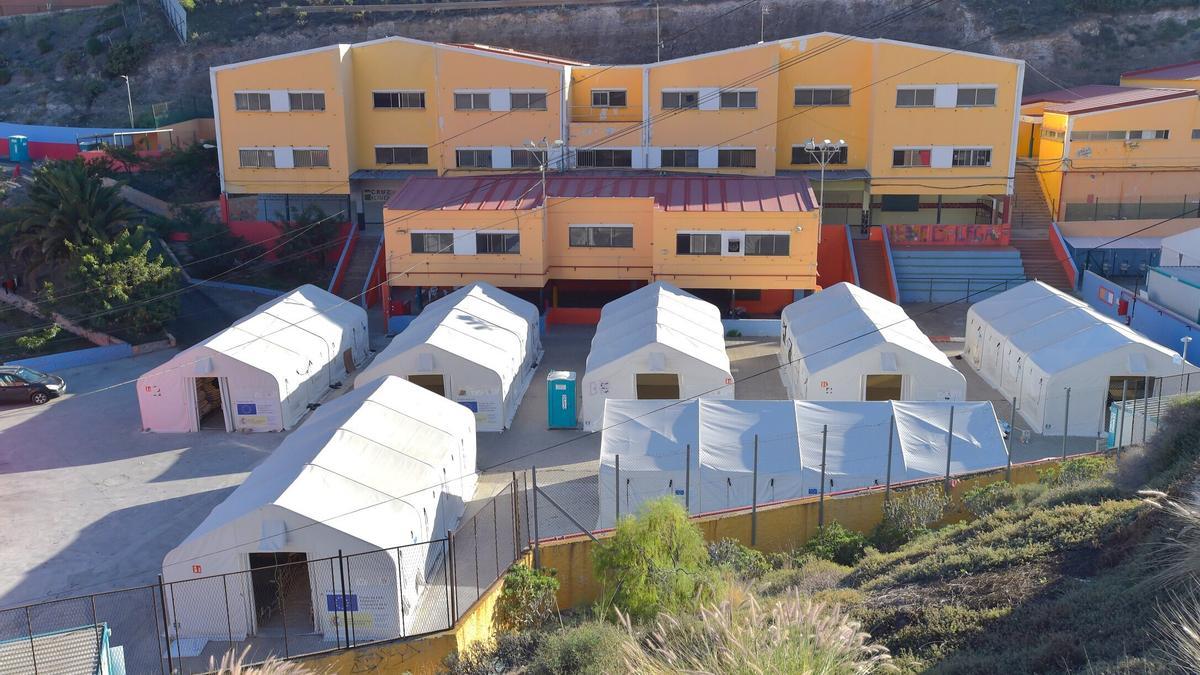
358,268
872,267
1031,231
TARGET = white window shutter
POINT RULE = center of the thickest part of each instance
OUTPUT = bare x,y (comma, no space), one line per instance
941,157
283,158
710,98
464,243
500,100
654,158
637,158
555,160
279,101
708,158
502,158
945,96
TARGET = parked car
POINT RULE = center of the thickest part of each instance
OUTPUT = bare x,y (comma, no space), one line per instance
19,384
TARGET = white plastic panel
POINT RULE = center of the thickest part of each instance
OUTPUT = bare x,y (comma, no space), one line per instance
710,98
945,96
502,158
941,157
279,100
464,243
500,100
283,158
708,158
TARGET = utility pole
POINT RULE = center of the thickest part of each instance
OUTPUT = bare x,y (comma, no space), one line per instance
762,21
129,97
657,34
824,153
544,147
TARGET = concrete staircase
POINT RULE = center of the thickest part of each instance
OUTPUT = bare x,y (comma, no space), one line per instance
359,265
950,275
872,267
1042,263
1031,231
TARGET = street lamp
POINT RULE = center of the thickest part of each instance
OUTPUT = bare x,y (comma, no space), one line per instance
129,96
544,147
1186,340
824,153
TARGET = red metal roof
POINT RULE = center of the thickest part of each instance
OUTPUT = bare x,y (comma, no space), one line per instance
1175,71
1127,97
670,193
532,56
1072,94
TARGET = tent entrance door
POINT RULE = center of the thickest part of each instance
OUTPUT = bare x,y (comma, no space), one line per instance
887,387
657,386
282,593
212,409
1134,387
435,382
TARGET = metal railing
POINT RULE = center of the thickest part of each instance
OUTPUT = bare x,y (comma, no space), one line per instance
1142,209
964,289
177,17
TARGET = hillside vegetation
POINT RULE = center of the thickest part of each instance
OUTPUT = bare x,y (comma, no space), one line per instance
64,68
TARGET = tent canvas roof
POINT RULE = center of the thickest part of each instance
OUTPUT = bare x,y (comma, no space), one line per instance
1011,300
659,313
358,455
1188,241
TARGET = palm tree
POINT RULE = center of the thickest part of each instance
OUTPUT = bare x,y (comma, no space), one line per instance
67,202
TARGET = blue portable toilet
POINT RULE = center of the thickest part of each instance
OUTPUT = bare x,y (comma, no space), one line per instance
561,400
18,149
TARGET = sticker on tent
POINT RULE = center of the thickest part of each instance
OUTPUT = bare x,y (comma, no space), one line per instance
336,602
247,409
679,493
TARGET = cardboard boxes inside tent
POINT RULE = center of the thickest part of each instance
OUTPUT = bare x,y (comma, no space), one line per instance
386,465
1034,342
847,344
658,342
477,345
654,442
261,373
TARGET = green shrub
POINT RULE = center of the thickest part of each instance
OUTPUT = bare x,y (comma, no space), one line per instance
506,652
741,560
834,542
591,648
5,76
1076,470
811,577
93,46
527,599
72,60
125,56
983,499
1083,492
44,45
655,561
909,514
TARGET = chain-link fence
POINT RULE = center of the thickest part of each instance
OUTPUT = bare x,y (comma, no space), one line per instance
486,544
1153,208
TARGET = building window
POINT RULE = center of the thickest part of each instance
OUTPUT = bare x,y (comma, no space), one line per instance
310,157
767,244
900,203
1100,135
822,96
252,100
523,158
604,158
680,158
1150,135
473,159
739,99
472,101
736,159
306,100
1052,134
698,244
971,157
802,156
256,159
528,100
914,97
608,98
1196,134
401,155
497,242
432,242
399,99
678,100
976,97
910,158
601,236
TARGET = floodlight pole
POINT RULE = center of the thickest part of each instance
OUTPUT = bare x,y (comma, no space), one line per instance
823,152
129,97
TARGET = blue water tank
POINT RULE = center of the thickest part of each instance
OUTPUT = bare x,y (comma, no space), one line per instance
560,400
18,149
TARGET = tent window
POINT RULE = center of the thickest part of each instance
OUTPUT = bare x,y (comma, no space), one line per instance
884,387
657,386
435,383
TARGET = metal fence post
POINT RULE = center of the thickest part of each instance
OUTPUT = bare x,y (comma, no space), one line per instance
337,634
887,485
452,578
282,606
475,541
446,578
821,502
687,478
1121,419
1012,431
617,492
228,618
496,533
949,446
515,514
930,289
345,600
162,598
400,583
1066,422
754,497
33,645
528,516
537,549
1145,405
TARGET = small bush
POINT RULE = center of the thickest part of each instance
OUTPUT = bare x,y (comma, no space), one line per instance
1089,492
527,599
741,560
909,514
94,46
834,542
591,648
125,57
811,577
1076,470
44,45
983,499
506,652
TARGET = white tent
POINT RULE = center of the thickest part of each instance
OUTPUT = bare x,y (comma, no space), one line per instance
1181,250
478,346
386,466
846,343
652,440
657,342
261,373
1034,342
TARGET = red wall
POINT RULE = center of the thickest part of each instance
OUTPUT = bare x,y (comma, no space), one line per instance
42,150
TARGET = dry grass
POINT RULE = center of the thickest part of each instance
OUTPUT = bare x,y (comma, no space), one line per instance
235,663
1176,561
1177,631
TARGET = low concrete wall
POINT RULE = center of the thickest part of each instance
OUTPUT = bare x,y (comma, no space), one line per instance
76,358
753,327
